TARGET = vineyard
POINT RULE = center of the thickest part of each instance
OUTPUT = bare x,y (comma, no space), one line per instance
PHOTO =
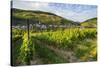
50,47
55,36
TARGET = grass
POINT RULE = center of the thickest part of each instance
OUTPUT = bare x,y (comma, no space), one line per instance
86,50
16,44
48,55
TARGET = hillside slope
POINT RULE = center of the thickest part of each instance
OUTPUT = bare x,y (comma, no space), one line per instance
90,23
19,17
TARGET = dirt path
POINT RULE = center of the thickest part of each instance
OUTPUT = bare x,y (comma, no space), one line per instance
36,60
67,55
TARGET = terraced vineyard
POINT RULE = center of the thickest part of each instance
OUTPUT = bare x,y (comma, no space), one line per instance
63,46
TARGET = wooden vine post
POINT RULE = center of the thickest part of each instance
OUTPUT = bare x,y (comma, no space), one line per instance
28,29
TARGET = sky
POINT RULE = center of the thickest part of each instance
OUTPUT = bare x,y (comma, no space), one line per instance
75,12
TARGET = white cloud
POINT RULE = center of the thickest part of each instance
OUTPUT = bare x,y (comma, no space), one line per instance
38,5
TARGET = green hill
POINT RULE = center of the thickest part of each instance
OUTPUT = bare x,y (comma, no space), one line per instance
20,17
90,23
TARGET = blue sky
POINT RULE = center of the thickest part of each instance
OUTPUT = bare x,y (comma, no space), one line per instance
75,12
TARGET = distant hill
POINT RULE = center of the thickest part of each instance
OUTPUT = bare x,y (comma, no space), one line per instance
90,22
19,17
